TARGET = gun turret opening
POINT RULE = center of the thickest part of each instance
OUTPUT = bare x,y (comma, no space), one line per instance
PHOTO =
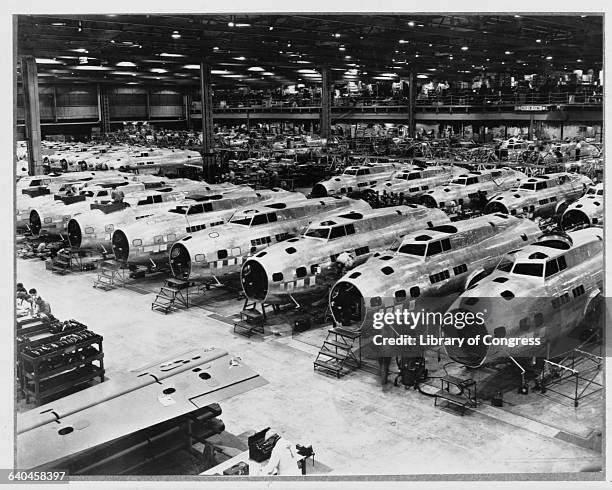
346,303
180,261
121,245
468,355
75,236
254,280
35,224
319,190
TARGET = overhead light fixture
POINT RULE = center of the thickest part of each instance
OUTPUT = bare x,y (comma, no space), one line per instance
267,73
347,57
411,24
172,55
91,67
389,74
240,58
488,59
416,55
80,28
422,75
579,60
538,40
403,41
192,67
158,70
450,58
341,48
256,68
549,57
48,61
421,25
230,24
430,45
507,52
58,24
244,24
233,76
464,48
126,63
112,41
176,35
431,69
306,70
271,28
516,16
336,35
80,50
126,73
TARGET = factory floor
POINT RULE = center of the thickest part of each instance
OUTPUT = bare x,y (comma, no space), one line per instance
355,425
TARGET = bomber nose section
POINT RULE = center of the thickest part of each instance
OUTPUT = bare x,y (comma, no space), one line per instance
319,190
35,224
496,207
346,303
574,219
180,261
254,280
121,246
75,236
469,355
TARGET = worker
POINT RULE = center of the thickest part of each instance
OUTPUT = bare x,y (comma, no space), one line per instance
41,307
20,288
117,195
283,460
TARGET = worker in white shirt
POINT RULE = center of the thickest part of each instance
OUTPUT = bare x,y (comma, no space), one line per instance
283,460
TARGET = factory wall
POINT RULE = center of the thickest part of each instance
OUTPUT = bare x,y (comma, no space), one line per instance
69,103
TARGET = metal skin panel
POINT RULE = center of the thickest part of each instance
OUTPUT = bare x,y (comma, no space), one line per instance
55,216
431,177
110,410
562,187
168,224
96,227
586,211
378,173
377,230
234,237
476,244
450,194
534,295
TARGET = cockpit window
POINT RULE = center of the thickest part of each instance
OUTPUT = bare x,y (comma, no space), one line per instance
350,172
414,175
527,187
245,221
259,219
318,233
417,249
505,265
528,269
460,181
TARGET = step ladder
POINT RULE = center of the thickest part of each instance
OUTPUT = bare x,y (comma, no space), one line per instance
174,293
111,274
336,354
62,263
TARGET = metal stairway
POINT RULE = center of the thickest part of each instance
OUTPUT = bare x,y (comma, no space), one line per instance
171,296
111,274
336,354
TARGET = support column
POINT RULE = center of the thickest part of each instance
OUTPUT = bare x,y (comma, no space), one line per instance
54,108
187,108
326,103
411,97
29,76
148,105
530,133
208,156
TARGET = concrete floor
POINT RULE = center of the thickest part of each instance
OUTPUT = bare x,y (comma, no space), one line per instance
354,425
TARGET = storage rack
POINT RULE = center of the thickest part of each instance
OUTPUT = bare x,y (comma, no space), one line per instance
59,369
